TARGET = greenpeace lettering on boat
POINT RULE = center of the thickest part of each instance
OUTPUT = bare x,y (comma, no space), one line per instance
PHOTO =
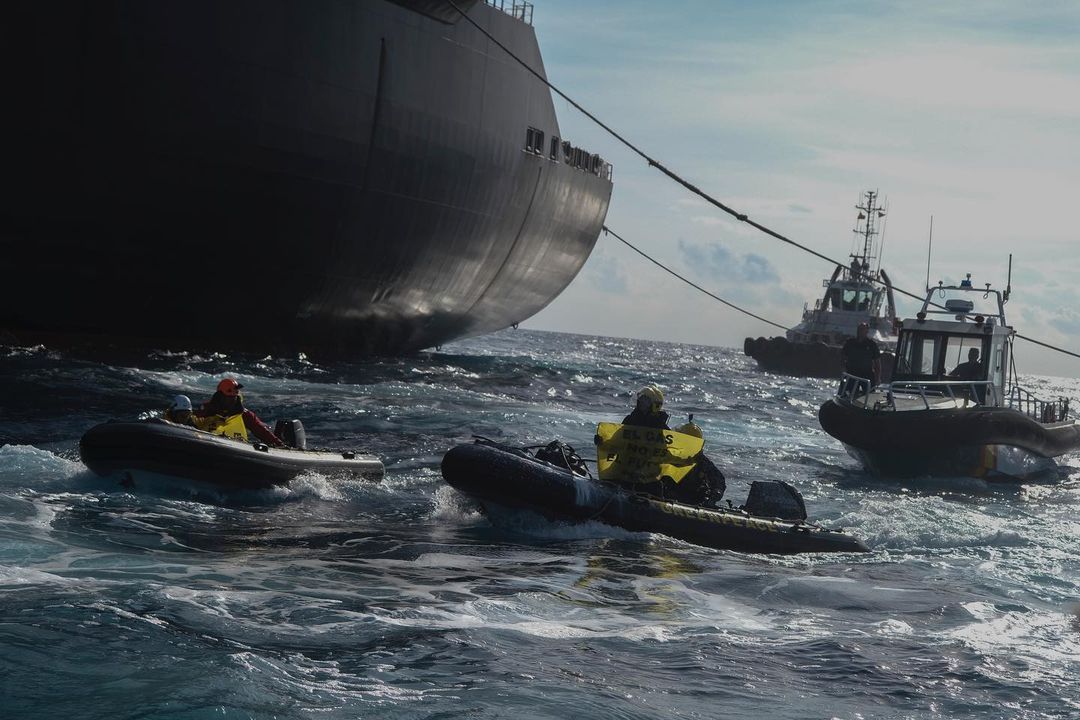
632,454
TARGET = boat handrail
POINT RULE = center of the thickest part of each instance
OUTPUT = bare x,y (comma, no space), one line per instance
853,386
523,11
1044,411
984,392
940,388
932,307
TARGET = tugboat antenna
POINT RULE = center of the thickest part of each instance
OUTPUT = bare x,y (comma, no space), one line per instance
929,248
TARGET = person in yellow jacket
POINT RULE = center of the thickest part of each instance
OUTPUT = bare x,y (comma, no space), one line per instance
228,402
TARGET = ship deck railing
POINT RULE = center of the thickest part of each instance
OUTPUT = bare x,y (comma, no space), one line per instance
1044,411
523,11
854,388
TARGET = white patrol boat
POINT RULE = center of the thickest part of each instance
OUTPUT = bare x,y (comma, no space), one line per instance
953,406
854,294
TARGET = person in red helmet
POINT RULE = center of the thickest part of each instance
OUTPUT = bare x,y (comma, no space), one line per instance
225,406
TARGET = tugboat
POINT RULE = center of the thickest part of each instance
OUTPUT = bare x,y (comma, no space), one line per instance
953,406
854,294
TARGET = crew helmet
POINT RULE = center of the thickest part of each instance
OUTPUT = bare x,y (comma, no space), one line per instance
653,395
692,428
181,402
229,387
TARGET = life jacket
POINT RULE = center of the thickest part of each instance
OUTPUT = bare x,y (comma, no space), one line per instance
168,415
232,427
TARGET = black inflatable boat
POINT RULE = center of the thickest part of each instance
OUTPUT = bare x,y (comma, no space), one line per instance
509,477
157,446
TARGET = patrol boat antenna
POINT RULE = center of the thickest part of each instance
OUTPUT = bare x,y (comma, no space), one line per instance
1008,282
929,251
870,211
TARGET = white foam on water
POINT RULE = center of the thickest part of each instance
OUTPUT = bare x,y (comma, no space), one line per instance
915,521
449,504
25,466
11,576
893,628
1046,640
541,616
532,524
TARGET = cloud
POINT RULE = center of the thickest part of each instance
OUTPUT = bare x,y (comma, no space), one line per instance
608,275
715,262
1067,321
961,112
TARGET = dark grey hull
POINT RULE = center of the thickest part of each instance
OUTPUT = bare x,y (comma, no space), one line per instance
941,442
812,359
347,176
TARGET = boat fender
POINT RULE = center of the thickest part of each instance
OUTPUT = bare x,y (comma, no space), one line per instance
775,499
348,455
291,433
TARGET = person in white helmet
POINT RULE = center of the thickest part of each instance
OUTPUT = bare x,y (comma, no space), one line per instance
180,411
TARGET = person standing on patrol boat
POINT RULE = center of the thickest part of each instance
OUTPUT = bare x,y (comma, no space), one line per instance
861,357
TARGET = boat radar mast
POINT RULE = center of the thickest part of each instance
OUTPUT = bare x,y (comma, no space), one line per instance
870,211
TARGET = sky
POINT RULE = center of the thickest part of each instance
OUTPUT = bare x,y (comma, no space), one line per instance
964,112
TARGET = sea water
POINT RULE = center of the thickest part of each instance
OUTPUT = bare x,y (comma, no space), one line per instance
400,599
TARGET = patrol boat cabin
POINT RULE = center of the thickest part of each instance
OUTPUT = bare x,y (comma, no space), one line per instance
955,352
953,402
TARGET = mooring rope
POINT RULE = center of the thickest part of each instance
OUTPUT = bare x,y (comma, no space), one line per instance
689,282
741,217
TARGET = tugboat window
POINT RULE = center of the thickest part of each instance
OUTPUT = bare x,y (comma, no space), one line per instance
850,299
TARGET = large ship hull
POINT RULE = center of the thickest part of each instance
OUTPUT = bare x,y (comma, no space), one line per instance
348,176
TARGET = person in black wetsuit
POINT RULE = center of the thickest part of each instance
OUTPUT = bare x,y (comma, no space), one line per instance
648,411
861,357
705,484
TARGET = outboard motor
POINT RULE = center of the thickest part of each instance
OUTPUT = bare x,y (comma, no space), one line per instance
291,433
775,499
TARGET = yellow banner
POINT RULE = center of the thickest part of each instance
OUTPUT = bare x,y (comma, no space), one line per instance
631,454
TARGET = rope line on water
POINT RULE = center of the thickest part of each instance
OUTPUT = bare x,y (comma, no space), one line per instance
741,217
689,282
